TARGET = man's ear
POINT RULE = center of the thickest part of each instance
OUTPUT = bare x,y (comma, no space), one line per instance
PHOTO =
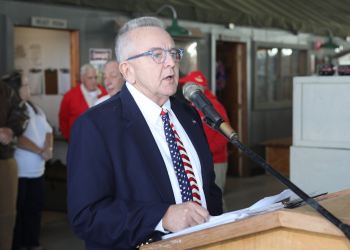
127,71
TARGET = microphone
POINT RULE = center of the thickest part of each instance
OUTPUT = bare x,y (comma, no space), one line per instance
194,94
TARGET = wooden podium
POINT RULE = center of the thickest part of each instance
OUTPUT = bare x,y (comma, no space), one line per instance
298,228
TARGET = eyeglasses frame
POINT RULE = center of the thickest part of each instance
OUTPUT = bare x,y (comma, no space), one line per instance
150,53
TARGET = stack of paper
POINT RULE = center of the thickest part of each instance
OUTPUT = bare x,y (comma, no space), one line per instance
264,205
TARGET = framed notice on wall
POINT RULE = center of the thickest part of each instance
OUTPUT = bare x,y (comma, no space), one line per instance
100,55
35,80
98,58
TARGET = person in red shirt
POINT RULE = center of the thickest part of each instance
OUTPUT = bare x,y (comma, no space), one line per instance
79,99
113,80
217,142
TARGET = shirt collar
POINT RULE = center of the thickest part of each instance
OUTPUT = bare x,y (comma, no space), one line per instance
150,110
90,96
96,92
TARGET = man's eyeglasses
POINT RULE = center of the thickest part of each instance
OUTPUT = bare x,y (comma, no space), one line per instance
159,55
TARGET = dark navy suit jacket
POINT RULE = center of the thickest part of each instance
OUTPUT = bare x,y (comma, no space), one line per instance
118,185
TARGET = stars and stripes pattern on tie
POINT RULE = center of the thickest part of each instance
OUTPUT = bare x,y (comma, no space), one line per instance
182,165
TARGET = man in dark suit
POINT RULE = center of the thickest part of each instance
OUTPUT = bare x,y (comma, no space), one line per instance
123,188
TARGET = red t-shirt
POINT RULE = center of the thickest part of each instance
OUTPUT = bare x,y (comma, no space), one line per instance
217,142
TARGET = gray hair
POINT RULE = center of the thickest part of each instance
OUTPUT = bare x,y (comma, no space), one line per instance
85,68
122,44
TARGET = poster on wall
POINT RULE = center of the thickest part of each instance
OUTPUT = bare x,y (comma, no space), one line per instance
35,55
51,81
35,79
98,58
20,56
63,81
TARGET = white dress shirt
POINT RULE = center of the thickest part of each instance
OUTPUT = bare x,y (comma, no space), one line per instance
102,99
90,96
151,112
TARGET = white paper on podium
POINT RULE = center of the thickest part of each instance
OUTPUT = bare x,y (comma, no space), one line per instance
264,205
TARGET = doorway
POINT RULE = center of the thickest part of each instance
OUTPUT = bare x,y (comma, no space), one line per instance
42,48
232,91
50,60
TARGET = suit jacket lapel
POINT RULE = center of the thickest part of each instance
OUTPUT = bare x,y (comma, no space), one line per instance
137,126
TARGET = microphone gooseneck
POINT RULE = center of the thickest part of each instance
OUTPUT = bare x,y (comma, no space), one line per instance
194,94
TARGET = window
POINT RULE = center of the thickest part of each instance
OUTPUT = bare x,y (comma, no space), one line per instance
275,68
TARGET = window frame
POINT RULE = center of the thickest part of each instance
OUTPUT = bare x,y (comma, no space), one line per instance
302,66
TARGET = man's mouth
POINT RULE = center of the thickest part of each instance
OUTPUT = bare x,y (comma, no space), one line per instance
169,77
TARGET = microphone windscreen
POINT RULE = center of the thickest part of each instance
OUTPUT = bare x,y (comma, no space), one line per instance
189,89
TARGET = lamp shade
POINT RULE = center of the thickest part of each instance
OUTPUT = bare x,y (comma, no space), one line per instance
175,30
329,44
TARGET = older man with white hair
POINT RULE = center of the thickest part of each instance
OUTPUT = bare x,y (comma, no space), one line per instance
79,99
139,165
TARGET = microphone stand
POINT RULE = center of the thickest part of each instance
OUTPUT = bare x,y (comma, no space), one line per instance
232,137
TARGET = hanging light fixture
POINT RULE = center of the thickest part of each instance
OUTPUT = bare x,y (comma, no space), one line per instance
174,29
329,44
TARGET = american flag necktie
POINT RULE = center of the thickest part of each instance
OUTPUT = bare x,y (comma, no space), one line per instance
182,165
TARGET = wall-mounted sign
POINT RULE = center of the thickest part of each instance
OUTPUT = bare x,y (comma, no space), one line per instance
100,55
98,58
46,22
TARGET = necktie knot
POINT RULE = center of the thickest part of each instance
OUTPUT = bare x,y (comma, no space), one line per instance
163,112
165,116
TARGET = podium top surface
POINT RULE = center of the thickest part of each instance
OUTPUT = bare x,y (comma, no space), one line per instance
303,218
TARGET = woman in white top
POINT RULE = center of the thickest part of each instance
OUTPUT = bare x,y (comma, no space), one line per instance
34,148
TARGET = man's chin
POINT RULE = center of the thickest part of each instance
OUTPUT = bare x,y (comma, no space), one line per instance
171,89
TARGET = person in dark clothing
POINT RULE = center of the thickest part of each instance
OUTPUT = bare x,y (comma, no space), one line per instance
139,165
12,124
